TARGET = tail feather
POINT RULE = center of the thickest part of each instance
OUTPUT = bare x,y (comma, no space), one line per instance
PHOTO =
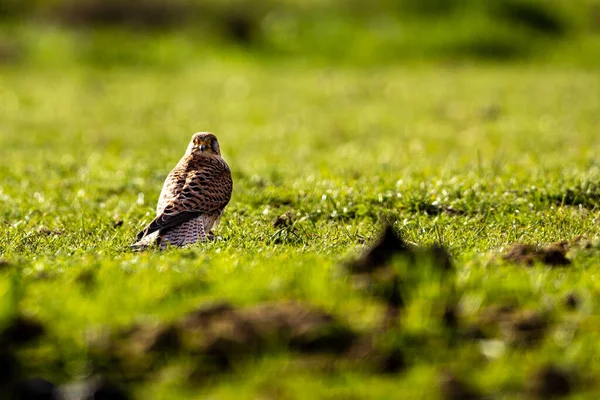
188,232
163,222
145,242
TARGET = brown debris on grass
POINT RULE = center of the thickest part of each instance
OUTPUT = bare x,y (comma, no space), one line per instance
202,316
220,335
453,387
153,338
473,332
525,328
299,327
10,368
380,253
572,301
375,272
21,330
450,317
45,231
527,254
554,254
497,313
390,245
519,327
283,220
35,389
550,382
4,263
366,353
441,257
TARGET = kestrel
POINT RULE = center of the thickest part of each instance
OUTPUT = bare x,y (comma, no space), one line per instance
192,198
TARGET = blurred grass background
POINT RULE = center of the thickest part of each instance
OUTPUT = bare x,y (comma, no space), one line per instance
349,31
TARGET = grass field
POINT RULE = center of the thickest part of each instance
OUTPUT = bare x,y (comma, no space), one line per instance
472,157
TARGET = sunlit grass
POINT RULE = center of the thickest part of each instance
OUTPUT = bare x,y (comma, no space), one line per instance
474,158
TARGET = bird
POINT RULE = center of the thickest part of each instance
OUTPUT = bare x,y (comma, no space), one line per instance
192,198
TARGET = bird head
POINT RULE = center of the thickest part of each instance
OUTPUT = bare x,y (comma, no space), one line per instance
204,143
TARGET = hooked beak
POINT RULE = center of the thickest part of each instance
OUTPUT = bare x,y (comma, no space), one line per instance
202,147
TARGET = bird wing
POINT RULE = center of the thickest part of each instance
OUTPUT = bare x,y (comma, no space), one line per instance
193,193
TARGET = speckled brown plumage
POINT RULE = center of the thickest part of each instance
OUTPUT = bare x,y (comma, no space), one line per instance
192,198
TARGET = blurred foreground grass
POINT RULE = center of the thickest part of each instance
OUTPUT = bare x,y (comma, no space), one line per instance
473,157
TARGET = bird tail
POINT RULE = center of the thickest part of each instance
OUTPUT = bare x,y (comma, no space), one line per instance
145,242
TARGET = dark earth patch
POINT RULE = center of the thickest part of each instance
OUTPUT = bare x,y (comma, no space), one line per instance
283,220
36,389
9,369
4,263
291,324
535,16
572,301
528,254
21,330
380,253
220,336
452,387
522,328
550,382
374,272
525,328
44,231
386,361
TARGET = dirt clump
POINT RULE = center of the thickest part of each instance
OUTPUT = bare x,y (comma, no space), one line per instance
283,220
517,326
36,389
220,335
10,368
450,317
572,301
378,257
386,361
453,387
528,254
290,324
162,338
526,328
21,330
203,315
473,332
550,382
44,231
4,263
309,330
376,273
391,362
380,253
497,313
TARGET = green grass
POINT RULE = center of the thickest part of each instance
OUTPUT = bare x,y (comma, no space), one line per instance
472,157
